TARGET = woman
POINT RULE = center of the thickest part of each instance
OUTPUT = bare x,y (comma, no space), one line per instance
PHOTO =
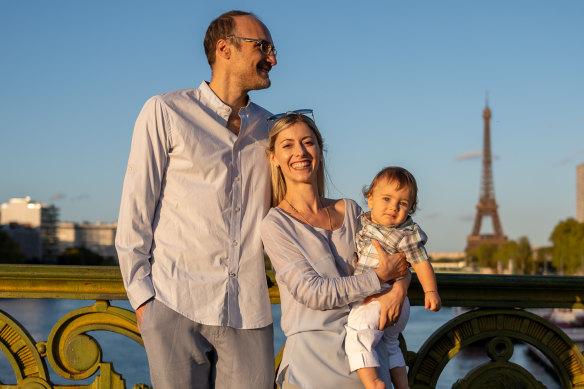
310,241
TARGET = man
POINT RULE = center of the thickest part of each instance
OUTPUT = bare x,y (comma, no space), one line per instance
195,190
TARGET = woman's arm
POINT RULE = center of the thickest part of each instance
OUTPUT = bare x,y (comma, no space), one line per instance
306,268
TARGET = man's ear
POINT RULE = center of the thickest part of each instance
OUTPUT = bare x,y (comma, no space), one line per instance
223,49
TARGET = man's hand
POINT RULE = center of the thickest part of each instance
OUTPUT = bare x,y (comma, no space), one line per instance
390,266
139,314
432,301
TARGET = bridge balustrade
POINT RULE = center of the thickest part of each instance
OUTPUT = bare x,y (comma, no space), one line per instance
496,319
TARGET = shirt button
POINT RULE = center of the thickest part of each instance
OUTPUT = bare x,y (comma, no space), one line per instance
235,243
231,274
236,209
236,178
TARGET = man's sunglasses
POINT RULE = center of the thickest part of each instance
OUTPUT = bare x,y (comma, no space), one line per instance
266,47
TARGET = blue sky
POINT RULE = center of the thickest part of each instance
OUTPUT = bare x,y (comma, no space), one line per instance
391,83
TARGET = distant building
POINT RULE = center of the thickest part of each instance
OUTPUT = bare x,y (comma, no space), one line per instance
448,262
580,193
97,237
35,218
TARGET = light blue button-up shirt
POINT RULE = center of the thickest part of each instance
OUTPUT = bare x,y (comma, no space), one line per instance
194,195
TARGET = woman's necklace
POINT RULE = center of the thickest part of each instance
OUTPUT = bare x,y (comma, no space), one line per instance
305,219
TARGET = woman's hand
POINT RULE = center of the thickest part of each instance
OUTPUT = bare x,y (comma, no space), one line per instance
391,266
391,301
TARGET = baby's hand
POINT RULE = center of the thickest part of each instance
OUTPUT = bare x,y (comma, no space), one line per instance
432,301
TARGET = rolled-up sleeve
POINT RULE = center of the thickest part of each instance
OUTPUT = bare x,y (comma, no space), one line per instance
142,186
413,245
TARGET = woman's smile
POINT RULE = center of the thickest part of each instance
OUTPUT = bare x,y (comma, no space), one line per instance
297,153
300,165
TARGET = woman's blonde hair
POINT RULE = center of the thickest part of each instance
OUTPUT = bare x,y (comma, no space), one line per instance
278,182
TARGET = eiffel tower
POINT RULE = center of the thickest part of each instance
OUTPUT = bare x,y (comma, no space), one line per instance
487,205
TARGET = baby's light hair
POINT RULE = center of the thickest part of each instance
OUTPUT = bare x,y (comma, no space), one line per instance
403,178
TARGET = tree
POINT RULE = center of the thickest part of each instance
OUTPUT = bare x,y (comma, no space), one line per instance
499,257
484,255
505,253
568,248
9,250
543,257
523,256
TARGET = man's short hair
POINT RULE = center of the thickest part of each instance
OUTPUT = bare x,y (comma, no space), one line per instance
221,28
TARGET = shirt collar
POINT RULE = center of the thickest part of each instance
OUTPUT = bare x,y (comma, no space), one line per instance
211,100
366,220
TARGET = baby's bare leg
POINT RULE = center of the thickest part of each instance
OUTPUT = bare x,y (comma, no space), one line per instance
399,377
370,379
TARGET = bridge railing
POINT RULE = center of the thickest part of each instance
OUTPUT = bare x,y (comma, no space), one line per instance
497,320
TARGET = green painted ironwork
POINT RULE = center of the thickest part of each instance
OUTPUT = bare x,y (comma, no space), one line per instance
497,325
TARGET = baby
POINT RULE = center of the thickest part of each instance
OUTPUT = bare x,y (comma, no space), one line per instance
392,198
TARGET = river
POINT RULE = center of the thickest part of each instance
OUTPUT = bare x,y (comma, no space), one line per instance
38,316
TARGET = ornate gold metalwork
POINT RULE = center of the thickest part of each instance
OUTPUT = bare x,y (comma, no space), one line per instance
71,352
500,328
20,349
62,282
499,373
74,354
